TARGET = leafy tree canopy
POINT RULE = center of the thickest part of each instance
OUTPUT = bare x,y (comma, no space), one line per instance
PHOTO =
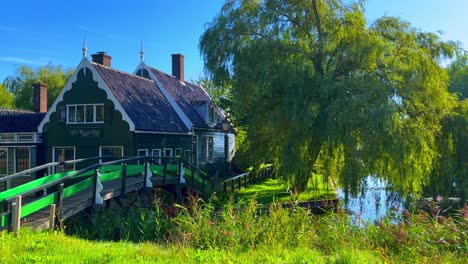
318,84
6,98
20,85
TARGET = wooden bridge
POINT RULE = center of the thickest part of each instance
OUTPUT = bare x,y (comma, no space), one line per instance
44,202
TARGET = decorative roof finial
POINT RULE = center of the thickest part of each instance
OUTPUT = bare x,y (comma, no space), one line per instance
142,53
84,49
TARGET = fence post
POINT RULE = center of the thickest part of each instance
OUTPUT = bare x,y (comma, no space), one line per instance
52,218
16,215
240,185
124,180
245,180
225,189
232,185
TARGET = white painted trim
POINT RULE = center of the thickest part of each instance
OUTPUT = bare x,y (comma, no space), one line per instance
101,84
168,97
149,174
15,135
65,89
163,133
98,198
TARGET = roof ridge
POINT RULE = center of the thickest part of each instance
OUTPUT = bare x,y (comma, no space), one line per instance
170,75
119,71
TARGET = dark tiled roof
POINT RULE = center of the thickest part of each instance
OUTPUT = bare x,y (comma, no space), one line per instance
143,101
19,121
184,93
13,111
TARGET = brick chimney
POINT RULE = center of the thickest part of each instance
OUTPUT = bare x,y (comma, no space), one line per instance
40,97
102,58
178,66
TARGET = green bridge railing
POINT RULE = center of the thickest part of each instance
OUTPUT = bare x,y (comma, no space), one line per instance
66,184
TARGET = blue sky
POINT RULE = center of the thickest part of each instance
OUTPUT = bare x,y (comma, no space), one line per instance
36,33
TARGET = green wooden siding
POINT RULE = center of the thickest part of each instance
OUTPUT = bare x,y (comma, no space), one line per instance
113,132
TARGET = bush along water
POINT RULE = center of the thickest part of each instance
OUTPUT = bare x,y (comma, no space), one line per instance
202,226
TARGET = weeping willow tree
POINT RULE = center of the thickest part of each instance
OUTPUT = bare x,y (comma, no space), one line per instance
317,84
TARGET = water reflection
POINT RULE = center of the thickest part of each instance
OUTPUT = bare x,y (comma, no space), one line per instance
375,200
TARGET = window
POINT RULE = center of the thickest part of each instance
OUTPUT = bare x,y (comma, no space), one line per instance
63,154
3,161
157,153
211,114
25,137
188,155
178,152
85,113
167,152
22,158
142,153
110,151
7,137
207,144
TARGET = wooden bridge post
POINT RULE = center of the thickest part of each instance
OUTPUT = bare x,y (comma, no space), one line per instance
232,185
16,215
97,189
245,180
148,175
52,218
124,180
60,200
240,185
225,189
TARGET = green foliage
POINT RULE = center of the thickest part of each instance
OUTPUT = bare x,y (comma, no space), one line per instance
317,85
6,98
20,85
458,72
199,232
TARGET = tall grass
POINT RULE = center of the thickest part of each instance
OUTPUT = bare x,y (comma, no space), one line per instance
201,227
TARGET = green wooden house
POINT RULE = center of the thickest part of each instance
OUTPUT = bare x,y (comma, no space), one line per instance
102,111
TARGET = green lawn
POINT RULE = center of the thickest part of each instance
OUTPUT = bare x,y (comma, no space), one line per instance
271,190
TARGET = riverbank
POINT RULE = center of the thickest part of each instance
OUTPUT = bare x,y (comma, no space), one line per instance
198,235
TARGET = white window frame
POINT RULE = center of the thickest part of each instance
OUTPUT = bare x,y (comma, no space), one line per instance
8,141
180,151
59,147
143,150
30,139
160,154
84,114
164,152
100,150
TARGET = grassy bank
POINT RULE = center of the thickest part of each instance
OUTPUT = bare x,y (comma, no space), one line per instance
272,190
201,233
